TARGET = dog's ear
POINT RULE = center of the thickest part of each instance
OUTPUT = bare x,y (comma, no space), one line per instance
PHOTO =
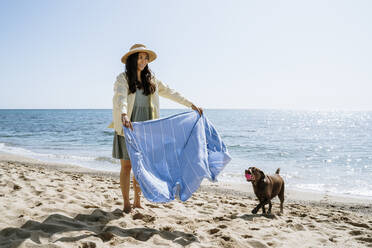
262,175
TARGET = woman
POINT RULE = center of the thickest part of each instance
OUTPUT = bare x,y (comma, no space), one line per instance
136,98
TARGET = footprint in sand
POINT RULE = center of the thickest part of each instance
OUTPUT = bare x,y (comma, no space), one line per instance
358,224
326,215
342,228
365,239
105,236
343,218
144,217
106,196
90,206
12,185
247,236
38,192
79,197
322,240
297,227
152,205
311,226
16,187
226,238
88,244
220,218
257,244
213,231
203,212
61,196
167,228
168,206
356,232
24,178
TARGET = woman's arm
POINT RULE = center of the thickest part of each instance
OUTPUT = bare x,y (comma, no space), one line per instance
120,102
120,99
167,92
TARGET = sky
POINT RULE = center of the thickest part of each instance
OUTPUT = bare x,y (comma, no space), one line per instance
246,54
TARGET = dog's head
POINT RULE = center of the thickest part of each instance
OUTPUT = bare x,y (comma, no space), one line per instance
254,174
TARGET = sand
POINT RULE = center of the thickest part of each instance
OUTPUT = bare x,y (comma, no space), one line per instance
53,205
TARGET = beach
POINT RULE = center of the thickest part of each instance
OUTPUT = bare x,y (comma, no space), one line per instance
219,89
44,204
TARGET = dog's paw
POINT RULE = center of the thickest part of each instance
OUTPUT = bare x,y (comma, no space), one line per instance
254,211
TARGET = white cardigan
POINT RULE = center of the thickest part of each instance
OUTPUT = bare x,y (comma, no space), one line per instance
123,100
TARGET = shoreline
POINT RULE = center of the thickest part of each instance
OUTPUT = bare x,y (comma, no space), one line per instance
105,163
352,203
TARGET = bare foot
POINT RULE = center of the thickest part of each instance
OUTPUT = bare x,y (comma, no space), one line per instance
137,205
127,209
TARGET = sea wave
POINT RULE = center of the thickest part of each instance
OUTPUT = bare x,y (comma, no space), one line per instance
335,189
225,136
19,135
107,159
55,157
8,148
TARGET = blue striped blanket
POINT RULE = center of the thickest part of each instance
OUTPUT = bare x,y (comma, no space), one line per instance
171,156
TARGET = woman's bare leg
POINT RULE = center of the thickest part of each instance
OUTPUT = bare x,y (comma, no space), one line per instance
125,183
137,194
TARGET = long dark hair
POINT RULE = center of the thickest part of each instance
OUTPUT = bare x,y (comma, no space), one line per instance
131,73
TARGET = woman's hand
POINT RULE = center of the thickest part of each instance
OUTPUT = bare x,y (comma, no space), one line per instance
126,122
200,110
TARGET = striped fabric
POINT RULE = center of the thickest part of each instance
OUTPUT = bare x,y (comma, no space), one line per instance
171,156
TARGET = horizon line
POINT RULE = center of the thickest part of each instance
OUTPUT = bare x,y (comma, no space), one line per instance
282,109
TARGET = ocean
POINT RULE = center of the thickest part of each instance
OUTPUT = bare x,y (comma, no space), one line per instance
318,151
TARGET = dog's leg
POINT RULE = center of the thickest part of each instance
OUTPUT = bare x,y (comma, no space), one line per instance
255,210
270,205
281,198
264,202
263,208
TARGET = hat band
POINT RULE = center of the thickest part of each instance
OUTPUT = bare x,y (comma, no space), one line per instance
139,48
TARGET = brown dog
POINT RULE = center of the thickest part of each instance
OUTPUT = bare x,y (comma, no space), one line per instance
265,188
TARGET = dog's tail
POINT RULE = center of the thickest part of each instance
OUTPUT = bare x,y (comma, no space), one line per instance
277,171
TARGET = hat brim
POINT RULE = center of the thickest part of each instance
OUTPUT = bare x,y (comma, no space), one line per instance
152,54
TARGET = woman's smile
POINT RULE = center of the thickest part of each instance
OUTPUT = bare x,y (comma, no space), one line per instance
143,60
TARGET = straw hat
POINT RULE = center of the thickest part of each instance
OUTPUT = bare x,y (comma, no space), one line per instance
137,48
